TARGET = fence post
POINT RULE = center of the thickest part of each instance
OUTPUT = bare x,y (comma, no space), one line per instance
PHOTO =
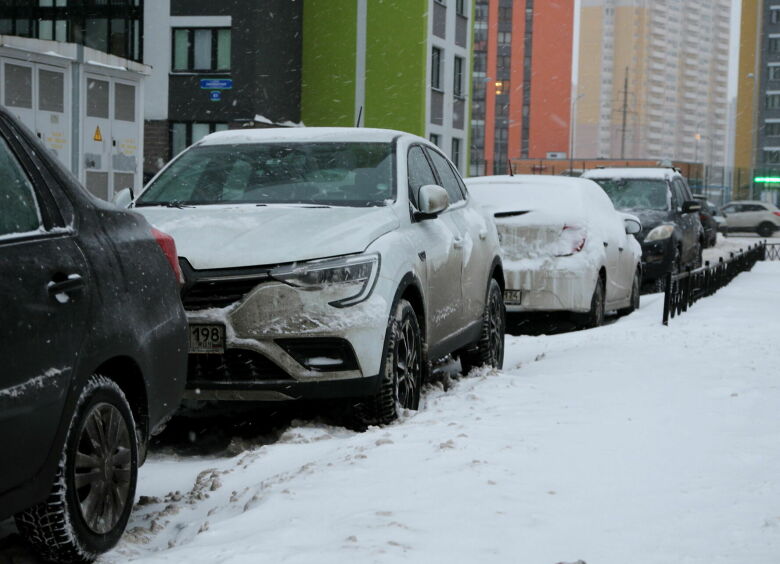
667,296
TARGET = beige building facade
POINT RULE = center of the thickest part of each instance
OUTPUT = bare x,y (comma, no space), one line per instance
652,80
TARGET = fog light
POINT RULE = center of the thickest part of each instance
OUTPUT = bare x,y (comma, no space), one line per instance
321,355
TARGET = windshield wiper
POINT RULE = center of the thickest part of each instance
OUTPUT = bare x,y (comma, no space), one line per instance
176,204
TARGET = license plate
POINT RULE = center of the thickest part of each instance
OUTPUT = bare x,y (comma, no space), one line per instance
512,296
207,339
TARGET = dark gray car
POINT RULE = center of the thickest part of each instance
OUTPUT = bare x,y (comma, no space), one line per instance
672,236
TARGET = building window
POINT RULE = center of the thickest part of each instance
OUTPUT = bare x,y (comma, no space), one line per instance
774,72
774,15
504,37
436,68
435,138
109,26
772,156
772,129
457,84
460,7
773,101
502,87
184,134
201,49
774,44
456,152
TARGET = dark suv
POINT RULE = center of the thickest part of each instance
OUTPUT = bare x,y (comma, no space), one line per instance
93,342
672,237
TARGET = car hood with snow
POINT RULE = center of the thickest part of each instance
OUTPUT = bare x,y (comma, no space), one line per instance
234,236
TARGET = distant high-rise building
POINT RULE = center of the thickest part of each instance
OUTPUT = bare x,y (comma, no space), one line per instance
749,111
652,80
521,82
398,64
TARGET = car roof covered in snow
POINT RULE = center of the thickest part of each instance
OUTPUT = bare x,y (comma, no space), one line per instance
527,191
627,172
302,135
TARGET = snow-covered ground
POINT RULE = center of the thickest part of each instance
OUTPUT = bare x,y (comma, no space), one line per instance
632,443
733,244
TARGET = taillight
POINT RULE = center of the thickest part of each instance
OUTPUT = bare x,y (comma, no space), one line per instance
573,240
776,213
168,246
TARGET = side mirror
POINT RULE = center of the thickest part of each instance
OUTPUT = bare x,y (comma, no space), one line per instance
123,198
632,225
432,200
691,206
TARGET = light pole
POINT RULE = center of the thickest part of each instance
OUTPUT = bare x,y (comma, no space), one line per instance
572,121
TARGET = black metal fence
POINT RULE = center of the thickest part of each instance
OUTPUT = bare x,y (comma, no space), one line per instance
685,288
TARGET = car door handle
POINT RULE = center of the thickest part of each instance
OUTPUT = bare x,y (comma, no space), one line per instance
483,234
72,283
620,249
606,244
458,242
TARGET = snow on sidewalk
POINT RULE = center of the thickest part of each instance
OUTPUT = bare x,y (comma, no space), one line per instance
629,444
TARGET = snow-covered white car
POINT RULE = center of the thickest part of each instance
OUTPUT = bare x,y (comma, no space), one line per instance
565,247
328,263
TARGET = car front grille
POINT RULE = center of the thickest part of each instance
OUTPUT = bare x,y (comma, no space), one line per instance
218,288
236,365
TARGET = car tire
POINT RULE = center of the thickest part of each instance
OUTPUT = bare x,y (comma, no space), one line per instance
489,350
94,488
636,287
402,370
595,317
765,229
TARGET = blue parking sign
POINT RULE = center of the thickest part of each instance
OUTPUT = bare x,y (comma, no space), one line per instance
215,96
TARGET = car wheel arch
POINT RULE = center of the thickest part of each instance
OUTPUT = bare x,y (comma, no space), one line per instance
497,273
410,289
127,374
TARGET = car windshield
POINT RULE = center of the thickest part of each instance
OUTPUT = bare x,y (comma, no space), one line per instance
636,193
328,173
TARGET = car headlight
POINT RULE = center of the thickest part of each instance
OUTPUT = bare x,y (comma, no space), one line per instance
354,277
660,232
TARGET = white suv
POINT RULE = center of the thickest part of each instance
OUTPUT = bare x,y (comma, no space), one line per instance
751,216
328,263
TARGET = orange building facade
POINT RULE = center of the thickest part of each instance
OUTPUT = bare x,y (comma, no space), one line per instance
521,82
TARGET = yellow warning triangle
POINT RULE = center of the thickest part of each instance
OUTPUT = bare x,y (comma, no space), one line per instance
97,136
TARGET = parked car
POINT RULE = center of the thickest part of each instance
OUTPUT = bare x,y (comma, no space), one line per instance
747,216
328,263
672,237
710,218
564,246
93,343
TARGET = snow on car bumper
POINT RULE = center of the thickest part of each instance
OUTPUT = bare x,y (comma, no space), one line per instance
298,346
555,285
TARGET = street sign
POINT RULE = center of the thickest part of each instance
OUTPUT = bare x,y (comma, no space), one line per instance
215,96
216,83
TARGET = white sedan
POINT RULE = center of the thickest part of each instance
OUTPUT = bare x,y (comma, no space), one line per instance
565,247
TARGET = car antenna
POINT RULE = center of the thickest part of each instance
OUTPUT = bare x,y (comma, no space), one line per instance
509,163
360,113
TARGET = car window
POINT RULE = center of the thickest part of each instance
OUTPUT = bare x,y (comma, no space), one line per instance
678,196
754,208
729,209
19,211
449,179
636,193
326,173
420,172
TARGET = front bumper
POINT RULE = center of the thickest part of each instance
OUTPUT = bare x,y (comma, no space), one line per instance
561,284
285,343
657,259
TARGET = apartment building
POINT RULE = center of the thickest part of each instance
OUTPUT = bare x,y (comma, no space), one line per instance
652,80
521,82
218,65
398,64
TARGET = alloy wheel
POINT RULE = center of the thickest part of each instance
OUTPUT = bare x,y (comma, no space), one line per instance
103,468
495,330
407,363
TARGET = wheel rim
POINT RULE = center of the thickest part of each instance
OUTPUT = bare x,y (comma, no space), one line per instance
495,330
103,468
407,364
